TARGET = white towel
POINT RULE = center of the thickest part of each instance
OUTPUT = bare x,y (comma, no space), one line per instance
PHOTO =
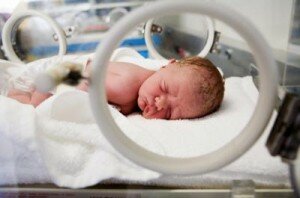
59,142
76,151
20,159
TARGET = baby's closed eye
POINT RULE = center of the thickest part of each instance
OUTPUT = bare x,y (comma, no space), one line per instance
163,87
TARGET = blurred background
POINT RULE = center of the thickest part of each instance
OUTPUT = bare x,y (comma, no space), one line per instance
86,22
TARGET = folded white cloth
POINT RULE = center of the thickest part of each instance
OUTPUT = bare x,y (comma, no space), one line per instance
59,141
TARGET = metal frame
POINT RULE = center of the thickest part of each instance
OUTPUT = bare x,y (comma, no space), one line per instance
120,190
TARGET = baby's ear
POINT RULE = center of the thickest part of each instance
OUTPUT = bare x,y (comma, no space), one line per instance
173,60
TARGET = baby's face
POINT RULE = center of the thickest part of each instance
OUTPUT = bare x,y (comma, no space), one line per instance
170,94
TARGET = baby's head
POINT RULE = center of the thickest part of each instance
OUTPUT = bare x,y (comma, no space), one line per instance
190,88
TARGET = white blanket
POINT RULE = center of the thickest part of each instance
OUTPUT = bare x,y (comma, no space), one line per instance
60,143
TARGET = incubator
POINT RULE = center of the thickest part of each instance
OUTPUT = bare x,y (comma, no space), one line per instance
259,62
84,25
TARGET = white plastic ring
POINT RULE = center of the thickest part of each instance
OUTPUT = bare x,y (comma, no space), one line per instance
209,41
114,15
226,154
15,19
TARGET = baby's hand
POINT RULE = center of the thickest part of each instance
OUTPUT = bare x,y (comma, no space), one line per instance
33,97
38,97
21,96
83,85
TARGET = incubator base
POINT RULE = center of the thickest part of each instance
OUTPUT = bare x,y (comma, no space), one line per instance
241,188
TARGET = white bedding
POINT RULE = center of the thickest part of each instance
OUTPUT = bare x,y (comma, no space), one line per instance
60,143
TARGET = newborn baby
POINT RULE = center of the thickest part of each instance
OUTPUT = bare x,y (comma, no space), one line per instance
189,88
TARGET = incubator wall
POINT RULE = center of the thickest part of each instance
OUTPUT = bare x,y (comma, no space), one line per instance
292,70
278,21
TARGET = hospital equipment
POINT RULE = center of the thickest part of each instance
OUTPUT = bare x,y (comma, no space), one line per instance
224,155
83,25
11,25
284,137
186,43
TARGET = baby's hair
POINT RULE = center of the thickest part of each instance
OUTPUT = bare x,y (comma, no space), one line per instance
211,85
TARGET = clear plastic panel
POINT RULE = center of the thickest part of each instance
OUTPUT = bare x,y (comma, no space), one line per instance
85,24
291,77
180,36
274,19
33,39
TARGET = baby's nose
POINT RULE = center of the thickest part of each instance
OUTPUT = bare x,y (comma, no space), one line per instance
160,102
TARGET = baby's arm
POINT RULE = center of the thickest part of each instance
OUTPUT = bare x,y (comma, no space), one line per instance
34,97
122,84
21,96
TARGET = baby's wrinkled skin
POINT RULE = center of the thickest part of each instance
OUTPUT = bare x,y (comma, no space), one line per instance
170,93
